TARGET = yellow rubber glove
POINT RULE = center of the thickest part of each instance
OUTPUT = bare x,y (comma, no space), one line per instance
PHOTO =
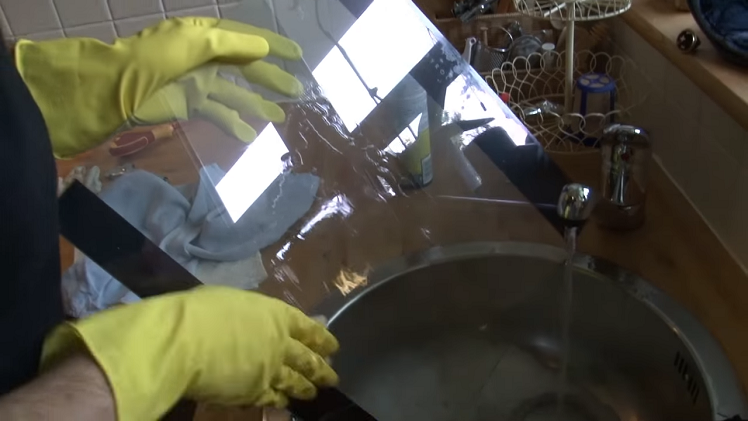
87,89
203,92
212,344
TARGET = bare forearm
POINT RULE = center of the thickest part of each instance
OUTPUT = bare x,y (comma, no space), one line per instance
74,390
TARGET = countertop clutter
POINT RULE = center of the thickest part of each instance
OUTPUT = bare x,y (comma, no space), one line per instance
674,250
659,23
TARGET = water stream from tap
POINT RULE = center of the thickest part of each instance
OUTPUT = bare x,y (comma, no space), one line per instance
570,237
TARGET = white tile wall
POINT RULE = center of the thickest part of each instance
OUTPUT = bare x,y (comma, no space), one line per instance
101,19
30,16
104,31
704,150
209,11
131,26
186,4
737,236
80,12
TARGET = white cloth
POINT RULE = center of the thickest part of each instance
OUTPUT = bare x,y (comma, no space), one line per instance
90,177
191,224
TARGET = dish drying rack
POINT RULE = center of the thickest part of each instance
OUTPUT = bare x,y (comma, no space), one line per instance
568,13
527,84
552,75
572,11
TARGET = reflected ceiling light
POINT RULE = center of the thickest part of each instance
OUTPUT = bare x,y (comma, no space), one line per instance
406,138
338,205
253,172
467,102
383,45
516,131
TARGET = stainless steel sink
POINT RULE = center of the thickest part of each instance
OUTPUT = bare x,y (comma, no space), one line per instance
472,332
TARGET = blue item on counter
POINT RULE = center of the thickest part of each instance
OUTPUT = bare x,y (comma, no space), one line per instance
725,23
596,83
597,94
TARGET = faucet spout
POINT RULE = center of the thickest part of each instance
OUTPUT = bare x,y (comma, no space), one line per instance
575,204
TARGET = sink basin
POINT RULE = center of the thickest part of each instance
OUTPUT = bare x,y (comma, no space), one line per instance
472,332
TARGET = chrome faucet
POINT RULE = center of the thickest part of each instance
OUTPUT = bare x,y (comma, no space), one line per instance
626,152
575,204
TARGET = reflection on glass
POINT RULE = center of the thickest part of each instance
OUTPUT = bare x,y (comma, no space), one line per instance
405,138
253,172
343,89
465,101
347,281
377,62
516,131
338,205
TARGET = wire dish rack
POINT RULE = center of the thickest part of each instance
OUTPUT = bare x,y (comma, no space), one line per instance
584,10
529,80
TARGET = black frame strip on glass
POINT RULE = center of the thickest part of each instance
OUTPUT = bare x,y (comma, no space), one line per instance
119,248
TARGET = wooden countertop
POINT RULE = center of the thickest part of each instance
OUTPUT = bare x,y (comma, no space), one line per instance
674,250
659,23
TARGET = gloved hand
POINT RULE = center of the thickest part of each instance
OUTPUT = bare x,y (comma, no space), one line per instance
212,344
86,89
203,92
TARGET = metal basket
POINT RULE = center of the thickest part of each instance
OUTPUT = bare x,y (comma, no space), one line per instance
527,85
564,10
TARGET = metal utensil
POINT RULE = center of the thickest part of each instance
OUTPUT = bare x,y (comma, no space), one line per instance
478,8
508,36
514,29
524,46
467,53
117,172
541,110
487,58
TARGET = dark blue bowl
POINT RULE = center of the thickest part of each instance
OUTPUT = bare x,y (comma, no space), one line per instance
725,23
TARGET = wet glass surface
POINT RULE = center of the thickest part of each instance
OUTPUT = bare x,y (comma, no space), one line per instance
395,146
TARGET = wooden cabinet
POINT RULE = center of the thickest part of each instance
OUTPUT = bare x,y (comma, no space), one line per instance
435,8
